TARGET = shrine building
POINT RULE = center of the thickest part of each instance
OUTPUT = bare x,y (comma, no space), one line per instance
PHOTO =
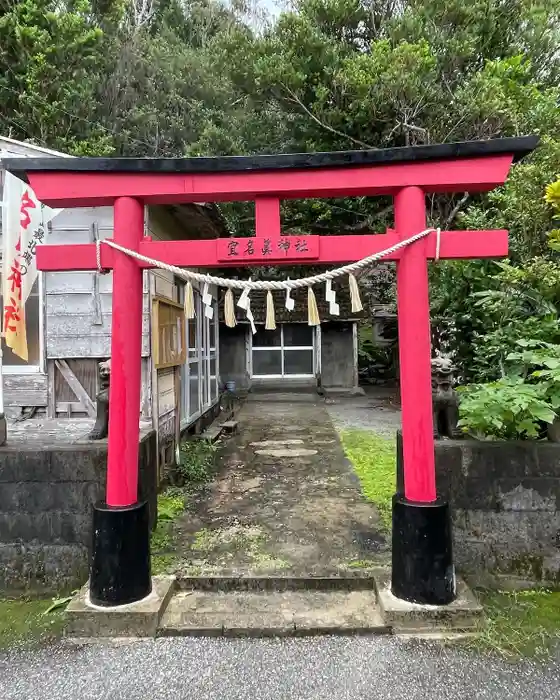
68,318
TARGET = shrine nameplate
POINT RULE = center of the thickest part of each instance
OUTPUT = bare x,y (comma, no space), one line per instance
292,248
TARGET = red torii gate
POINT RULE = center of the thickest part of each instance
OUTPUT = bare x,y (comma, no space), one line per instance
422,560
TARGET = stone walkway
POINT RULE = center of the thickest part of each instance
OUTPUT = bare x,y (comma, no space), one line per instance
378,410
285,501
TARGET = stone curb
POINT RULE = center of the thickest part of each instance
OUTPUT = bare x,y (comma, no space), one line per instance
355,581
266,632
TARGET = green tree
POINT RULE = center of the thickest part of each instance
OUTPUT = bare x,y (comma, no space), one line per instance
48,53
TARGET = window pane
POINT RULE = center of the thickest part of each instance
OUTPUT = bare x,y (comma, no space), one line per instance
193,388
204,384
191,333
298,362
184,391
213,327
266,339
32,308
298,334
214,381
267,362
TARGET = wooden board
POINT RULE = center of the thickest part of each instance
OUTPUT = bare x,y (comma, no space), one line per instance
75,325
77,388
87,346
168,337
25,389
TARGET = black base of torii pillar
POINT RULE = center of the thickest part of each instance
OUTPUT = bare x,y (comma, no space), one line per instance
120,556
422,547
422,552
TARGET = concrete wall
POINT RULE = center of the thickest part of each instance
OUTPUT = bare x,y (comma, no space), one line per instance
505,498
338,356
46,495
233,356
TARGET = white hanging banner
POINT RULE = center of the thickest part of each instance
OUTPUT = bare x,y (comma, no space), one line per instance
24,226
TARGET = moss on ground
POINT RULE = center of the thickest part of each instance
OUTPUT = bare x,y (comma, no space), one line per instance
374,460
250,540
519,624
236,536
171,504
363,564
26,622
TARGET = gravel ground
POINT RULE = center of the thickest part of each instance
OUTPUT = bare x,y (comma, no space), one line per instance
375,411
341,668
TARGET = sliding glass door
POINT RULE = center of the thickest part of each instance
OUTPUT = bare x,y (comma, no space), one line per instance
288,351
199,374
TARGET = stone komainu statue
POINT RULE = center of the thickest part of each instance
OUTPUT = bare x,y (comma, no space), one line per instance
101,427
444,399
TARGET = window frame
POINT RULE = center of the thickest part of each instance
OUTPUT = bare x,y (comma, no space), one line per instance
14,370
282,349
204,354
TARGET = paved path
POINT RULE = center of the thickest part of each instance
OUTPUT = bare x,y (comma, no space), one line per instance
377,411
285,500
338,668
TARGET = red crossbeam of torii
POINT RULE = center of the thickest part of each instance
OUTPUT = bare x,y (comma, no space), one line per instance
405,174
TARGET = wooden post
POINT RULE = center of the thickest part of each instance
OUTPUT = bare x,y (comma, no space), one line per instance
126,357
413,307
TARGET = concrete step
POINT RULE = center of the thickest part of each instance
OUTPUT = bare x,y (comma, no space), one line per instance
464,614
358,580
266,614
272,606
230,426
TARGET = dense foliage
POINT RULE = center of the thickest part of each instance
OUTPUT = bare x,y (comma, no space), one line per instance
188,77
523,402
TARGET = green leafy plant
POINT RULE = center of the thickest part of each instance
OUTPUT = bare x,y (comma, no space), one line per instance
59,603
375,362
169,507
196,460
552,197
539,362
508,409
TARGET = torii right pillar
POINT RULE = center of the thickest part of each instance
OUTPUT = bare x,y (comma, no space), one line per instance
422,558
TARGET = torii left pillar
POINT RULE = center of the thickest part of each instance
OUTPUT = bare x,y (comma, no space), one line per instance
120,570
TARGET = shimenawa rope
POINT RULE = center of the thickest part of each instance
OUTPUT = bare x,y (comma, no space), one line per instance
267,285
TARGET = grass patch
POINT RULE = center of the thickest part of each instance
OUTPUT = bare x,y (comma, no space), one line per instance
171,504
197,459
519,623
375,462
26,622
